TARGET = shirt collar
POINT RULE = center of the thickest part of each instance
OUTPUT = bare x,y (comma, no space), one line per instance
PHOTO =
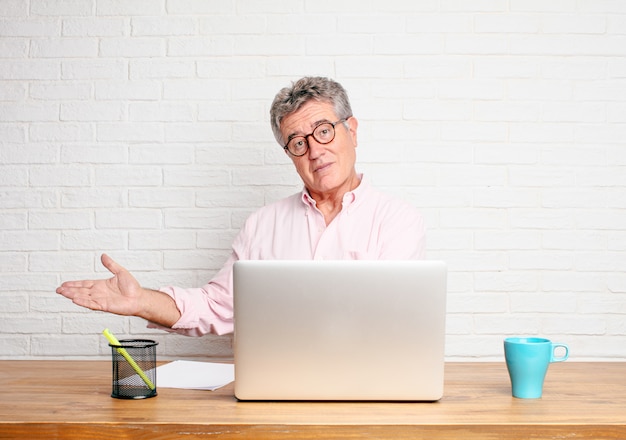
349,198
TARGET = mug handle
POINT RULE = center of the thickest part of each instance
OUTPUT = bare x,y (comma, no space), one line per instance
553,358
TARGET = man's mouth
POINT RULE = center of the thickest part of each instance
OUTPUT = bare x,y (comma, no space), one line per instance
322,167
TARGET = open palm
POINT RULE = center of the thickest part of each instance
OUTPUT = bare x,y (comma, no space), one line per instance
119,294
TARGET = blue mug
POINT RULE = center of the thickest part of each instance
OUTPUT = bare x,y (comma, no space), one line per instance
527,360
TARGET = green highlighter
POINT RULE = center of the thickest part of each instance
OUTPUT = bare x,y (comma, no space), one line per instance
113,340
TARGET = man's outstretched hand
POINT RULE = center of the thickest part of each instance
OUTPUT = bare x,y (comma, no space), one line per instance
120,294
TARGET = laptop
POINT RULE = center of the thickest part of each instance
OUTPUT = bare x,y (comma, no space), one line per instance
339,330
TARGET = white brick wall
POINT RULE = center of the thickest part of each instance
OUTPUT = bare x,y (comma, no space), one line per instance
140,128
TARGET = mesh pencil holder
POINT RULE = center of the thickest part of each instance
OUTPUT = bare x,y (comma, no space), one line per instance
134,369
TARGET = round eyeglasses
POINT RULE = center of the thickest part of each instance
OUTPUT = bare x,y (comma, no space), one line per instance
323,133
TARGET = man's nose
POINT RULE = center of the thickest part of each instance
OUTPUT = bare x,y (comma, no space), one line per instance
315,148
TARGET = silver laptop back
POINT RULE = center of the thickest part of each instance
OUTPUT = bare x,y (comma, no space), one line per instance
339,330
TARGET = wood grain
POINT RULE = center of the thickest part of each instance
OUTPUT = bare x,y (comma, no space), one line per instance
71,399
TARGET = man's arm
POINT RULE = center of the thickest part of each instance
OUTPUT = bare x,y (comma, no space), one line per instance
122,295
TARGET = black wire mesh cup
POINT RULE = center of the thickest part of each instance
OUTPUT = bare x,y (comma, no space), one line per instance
134,369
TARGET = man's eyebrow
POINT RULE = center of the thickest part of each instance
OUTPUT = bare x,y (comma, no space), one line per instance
314,125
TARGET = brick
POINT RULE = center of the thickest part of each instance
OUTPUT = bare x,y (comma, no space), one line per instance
64,48
171,154
11,221
29,282
164,112
161,198
518,281
35,324
14,48
477,6
160,26
57,91
197,132
141,132
25,241
130,7
162,68
11,261
12,91
30,70
507,111
199,7
94,27
193,259
78,325
215,239
13,8
128,90
476,44
575,239
92,198
160,240
438,111
65,132
573,24
94,154
128,219
197,219
200,46
567,281
616,24
239,68
92,111
229,198
86,240
437,23
29,112
29,28
504,325
94,69
599,261
574,326
135,47
213,90
14,346
135,261
543,302
62,7
14,176
56,176
506,240
39,219
61,346
507,23
66,262
548,219
29,198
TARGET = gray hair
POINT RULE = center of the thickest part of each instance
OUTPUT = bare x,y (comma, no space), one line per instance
290,99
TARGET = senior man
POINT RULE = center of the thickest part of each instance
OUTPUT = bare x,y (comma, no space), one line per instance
338,215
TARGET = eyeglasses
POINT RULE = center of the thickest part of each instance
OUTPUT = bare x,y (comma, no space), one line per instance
323,133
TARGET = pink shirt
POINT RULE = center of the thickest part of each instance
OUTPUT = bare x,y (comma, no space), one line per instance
370,226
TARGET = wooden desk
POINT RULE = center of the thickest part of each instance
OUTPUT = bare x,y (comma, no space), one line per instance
71,399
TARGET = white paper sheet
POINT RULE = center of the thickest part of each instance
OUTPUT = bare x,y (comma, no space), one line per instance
195,375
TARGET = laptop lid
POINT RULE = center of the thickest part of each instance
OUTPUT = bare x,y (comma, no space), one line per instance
339,330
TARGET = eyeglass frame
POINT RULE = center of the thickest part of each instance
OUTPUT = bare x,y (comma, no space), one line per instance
312,134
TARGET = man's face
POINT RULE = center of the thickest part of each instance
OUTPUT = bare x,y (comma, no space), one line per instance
325,169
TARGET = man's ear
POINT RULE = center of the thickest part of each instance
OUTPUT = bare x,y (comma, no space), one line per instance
353,124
